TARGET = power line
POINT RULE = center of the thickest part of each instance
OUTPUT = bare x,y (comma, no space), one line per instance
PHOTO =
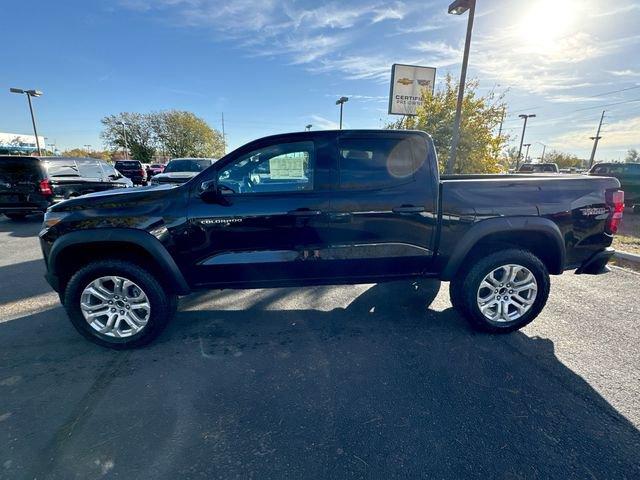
611,92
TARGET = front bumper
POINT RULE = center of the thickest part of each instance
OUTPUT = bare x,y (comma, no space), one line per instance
596,264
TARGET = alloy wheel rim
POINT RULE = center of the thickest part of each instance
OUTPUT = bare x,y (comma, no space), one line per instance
507,293
115,306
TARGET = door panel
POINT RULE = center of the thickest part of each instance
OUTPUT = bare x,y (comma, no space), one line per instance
382,218
255,238
266,220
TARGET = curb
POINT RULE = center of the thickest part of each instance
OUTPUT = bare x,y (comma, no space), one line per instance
628,257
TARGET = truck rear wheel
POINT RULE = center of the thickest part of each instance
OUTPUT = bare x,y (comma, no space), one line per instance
503,291
118,304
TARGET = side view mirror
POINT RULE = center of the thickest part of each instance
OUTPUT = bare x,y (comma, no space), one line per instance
209,191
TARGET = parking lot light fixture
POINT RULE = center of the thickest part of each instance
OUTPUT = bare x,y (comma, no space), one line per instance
458,7
341,101
308,127
30,93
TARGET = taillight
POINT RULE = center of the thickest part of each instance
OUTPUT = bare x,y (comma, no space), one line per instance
45,187
616,200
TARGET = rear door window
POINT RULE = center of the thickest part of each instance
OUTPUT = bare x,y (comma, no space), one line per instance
366,163
90,170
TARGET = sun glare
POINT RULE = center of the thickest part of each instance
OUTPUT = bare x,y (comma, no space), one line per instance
545,22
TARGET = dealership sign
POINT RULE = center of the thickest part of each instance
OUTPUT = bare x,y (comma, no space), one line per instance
407,84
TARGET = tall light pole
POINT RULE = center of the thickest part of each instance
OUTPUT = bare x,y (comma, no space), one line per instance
308,127
458,7
87,147
526,155
341,101
524,128
126,147
29,94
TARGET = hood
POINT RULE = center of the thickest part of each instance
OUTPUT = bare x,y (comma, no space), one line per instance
117,197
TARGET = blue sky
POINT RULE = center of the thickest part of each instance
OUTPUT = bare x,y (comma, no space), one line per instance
274,66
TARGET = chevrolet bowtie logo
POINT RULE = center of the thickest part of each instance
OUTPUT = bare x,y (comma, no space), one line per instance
405,81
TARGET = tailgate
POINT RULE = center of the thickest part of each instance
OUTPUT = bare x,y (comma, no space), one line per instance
19,177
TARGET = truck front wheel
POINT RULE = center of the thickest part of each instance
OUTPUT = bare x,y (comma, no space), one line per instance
117,304
503,291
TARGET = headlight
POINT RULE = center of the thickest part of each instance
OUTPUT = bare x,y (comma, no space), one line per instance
53,218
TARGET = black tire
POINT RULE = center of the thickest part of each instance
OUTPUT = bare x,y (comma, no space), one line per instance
464,289
163,304
16,216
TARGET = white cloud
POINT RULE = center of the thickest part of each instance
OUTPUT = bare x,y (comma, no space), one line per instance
621,134
322,123
625,73
360,98
617,10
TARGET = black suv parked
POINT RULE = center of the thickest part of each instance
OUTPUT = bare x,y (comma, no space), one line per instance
328,207
31,184
132,169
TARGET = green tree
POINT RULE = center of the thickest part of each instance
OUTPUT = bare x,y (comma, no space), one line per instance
183,134
632,156
479,148
82,153
140,135
563,160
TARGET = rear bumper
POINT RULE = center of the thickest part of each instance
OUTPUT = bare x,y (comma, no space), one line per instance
596,264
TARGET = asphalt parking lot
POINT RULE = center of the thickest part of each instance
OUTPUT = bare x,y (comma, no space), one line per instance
368,381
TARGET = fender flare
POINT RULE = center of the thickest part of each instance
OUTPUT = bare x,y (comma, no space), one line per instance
122,235
490,226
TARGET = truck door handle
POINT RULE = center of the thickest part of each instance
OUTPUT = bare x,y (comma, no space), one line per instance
304,212
408,209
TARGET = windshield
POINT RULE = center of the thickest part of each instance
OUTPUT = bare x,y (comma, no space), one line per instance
187,165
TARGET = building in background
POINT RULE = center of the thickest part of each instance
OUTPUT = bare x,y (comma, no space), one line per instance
19,144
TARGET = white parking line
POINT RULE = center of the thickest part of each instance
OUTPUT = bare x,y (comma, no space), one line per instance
28,306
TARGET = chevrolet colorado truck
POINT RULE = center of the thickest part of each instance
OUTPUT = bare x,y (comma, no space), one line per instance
327,207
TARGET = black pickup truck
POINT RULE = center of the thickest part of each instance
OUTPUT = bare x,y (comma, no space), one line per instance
329,207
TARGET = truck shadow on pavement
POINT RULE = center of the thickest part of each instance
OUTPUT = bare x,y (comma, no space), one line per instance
384,388
29,227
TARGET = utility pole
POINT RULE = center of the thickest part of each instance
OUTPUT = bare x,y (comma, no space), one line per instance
126,147
544,149
596,139
524,128
458,8
501,121
224,138
526,155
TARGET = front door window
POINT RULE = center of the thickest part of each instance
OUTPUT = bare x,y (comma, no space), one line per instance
277,168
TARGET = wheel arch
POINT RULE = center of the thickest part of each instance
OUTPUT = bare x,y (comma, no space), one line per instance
539,235
74,249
